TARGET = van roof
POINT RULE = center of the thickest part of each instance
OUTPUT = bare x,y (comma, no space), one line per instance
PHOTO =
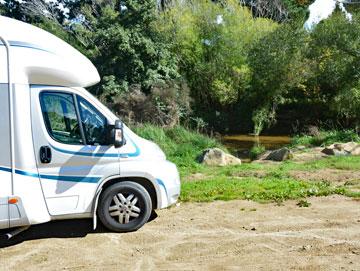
38,57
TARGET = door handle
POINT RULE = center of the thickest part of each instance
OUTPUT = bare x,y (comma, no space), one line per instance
45,154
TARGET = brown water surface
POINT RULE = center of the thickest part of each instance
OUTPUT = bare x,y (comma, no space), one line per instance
241,144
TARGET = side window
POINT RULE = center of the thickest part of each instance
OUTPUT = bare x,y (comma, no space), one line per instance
94,123
60,117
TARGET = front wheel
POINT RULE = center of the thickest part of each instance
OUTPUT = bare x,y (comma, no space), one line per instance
124,206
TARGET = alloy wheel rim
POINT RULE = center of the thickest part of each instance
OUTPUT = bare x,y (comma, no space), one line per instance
124,209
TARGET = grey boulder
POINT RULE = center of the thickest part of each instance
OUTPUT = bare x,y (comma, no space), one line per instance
217,157
279,155
342,149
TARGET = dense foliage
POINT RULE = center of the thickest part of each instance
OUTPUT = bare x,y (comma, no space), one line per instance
226,65
213,44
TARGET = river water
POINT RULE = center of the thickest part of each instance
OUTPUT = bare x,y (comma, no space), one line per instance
240,145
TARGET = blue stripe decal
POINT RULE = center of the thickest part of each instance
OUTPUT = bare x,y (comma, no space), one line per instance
160,182
5,169
25,173
78,179
133,154
103,154
88,154
14,43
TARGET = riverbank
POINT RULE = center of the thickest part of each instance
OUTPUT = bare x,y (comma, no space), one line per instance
274,181
262,182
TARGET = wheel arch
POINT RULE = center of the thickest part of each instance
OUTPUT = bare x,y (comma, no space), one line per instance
145,182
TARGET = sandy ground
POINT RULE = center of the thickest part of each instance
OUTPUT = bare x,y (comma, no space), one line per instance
235,235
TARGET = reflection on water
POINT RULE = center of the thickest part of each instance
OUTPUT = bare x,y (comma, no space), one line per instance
241,144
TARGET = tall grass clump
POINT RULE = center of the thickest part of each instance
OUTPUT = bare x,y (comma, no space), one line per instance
181,146
256,151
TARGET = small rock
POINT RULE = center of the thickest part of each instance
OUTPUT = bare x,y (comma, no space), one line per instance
342,149
356,150
350,146
253,229
217,157
338,146
279,155
305,248
335,152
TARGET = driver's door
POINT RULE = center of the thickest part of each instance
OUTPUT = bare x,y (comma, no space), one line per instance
71,147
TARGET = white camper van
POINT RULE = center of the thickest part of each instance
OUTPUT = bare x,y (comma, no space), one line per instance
64,155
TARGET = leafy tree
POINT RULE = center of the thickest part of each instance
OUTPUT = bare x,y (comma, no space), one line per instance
120,37
240,67
297,9
212,42
335,51
125,44
347,104
278,68
315,74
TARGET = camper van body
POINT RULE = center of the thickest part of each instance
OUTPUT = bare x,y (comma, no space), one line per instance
49,172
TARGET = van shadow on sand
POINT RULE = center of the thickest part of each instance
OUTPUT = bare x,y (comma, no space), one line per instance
54,229
75,228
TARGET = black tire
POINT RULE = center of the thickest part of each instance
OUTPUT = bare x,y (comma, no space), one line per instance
112,222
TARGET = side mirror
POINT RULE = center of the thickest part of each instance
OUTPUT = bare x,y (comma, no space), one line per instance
118,135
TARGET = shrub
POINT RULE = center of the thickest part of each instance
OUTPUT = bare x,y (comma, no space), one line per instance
325,138
256,151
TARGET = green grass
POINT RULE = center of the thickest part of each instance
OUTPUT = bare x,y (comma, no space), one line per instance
333,162
261,190
252,181
181,146
275,183
326,138
281,169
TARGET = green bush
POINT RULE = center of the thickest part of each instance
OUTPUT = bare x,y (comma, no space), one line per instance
325,138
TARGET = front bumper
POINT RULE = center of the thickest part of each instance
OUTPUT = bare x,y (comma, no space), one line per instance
169,185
